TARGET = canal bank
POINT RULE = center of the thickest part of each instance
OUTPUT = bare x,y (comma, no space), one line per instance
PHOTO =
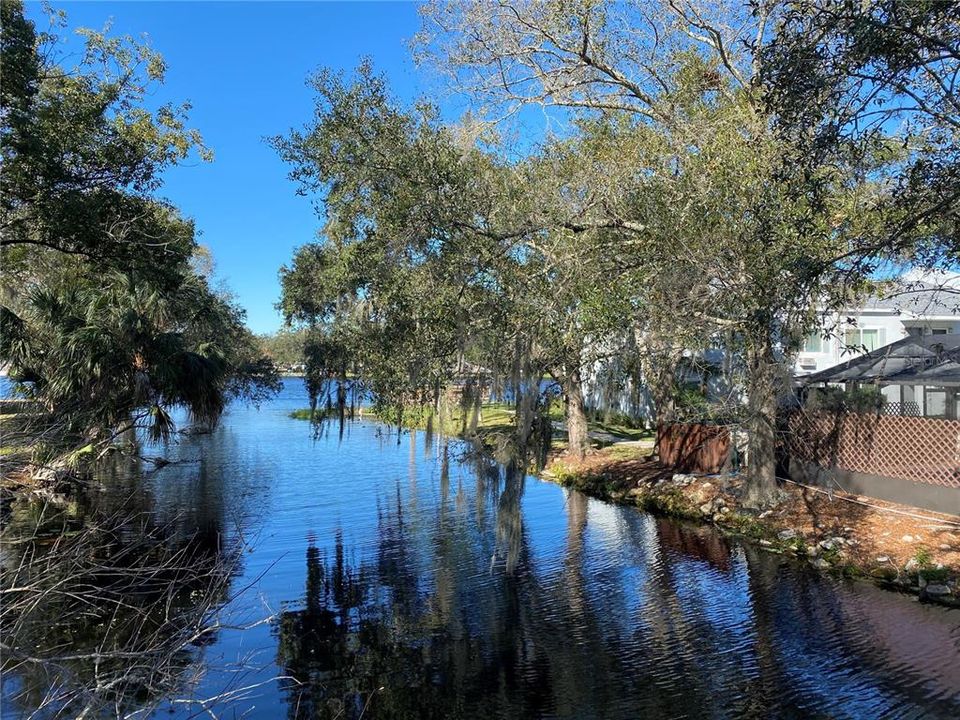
896,547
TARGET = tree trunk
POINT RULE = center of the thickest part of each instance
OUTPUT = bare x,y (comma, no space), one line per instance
342,396
525,409
660,372
465,405
476,406
761,483
578,438
527,389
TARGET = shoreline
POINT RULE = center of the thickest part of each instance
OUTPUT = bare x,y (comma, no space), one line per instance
898,548
895,547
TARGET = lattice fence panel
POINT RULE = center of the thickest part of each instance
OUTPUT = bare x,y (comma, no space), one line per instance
921,449
911,409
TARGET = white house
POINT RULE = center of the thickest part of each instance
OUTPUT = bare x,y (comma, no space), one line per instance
920,309
923,305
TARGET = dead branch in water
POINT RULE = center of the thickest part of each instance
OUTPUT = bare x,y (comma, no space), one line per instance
107,619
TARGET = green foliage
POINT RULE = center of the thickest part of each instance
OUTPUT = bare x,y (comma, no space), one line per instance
286,347
798,545
437,252
82,157
748,525
402,286
106,320
313,415
691,402
861,399
111,354
935,574
926,569
873,83
586,481
670,502
682,209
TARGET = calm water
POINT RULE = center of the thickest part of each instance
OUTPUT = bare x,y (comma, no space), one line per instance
405,585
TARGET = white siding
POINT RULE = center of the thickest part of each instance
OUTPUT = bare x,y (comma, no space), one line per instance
890,325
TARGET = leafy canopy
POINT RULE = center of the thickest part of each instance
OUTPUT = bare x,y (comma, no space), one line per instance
106,318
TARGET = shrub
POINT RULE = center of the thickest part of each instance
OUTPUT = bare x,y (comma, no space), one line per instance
867,399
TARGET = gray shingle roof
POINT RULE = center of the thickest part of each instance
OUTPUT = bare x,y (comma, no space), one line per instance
919,299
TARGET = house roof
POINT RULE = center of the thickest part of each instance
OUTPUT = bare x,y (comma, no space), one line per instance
919,299
925,360
947,373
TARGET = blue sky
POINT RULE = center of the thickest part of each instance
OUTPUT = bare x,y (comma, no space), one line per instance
243,66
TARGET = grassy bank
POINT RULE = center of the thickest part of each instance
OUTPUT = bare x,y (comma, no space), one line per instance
496,416
498,419
494,429
896,547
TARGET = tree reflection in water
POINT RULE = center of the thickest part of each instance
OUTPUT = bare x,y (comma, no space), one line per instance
383,640
457,585
463,616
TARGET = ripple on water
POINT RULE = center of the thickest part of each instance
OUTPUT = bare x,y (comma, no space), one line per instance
465,590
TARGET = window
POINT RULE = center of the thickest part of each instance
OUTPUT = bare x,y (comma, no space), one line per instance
813,343
858,338
938,331
936,402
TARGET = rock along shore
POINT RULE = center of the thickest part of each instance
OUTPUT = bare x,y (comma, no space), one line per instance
896,547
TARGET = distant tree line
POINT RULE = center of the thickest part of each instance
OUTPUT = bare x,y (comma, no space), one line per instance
285,347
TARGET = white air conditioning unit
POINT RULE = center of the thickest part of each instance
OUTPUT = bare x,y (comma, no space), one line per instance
807,362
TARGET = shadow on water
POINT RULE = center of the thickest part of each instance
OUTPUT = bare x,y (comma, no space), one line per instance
423,580
449,621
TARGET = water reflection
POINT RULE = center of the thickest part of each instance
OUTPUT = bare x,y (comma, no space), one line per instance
462,618
109,595
104,613
418,580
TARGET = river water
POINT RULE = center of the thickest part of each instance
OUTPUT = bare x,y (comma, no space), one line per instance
389,579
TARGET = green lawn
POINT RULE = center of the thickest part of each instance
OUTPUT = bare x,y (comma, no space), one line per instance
498,417
623,432
305,414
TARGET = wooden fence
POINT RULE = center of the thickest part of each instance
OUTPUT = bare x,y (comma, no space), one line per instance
923,450
693,447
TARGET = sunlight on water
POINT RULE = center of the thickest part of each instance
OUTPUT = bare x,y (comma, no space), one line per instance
405,580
